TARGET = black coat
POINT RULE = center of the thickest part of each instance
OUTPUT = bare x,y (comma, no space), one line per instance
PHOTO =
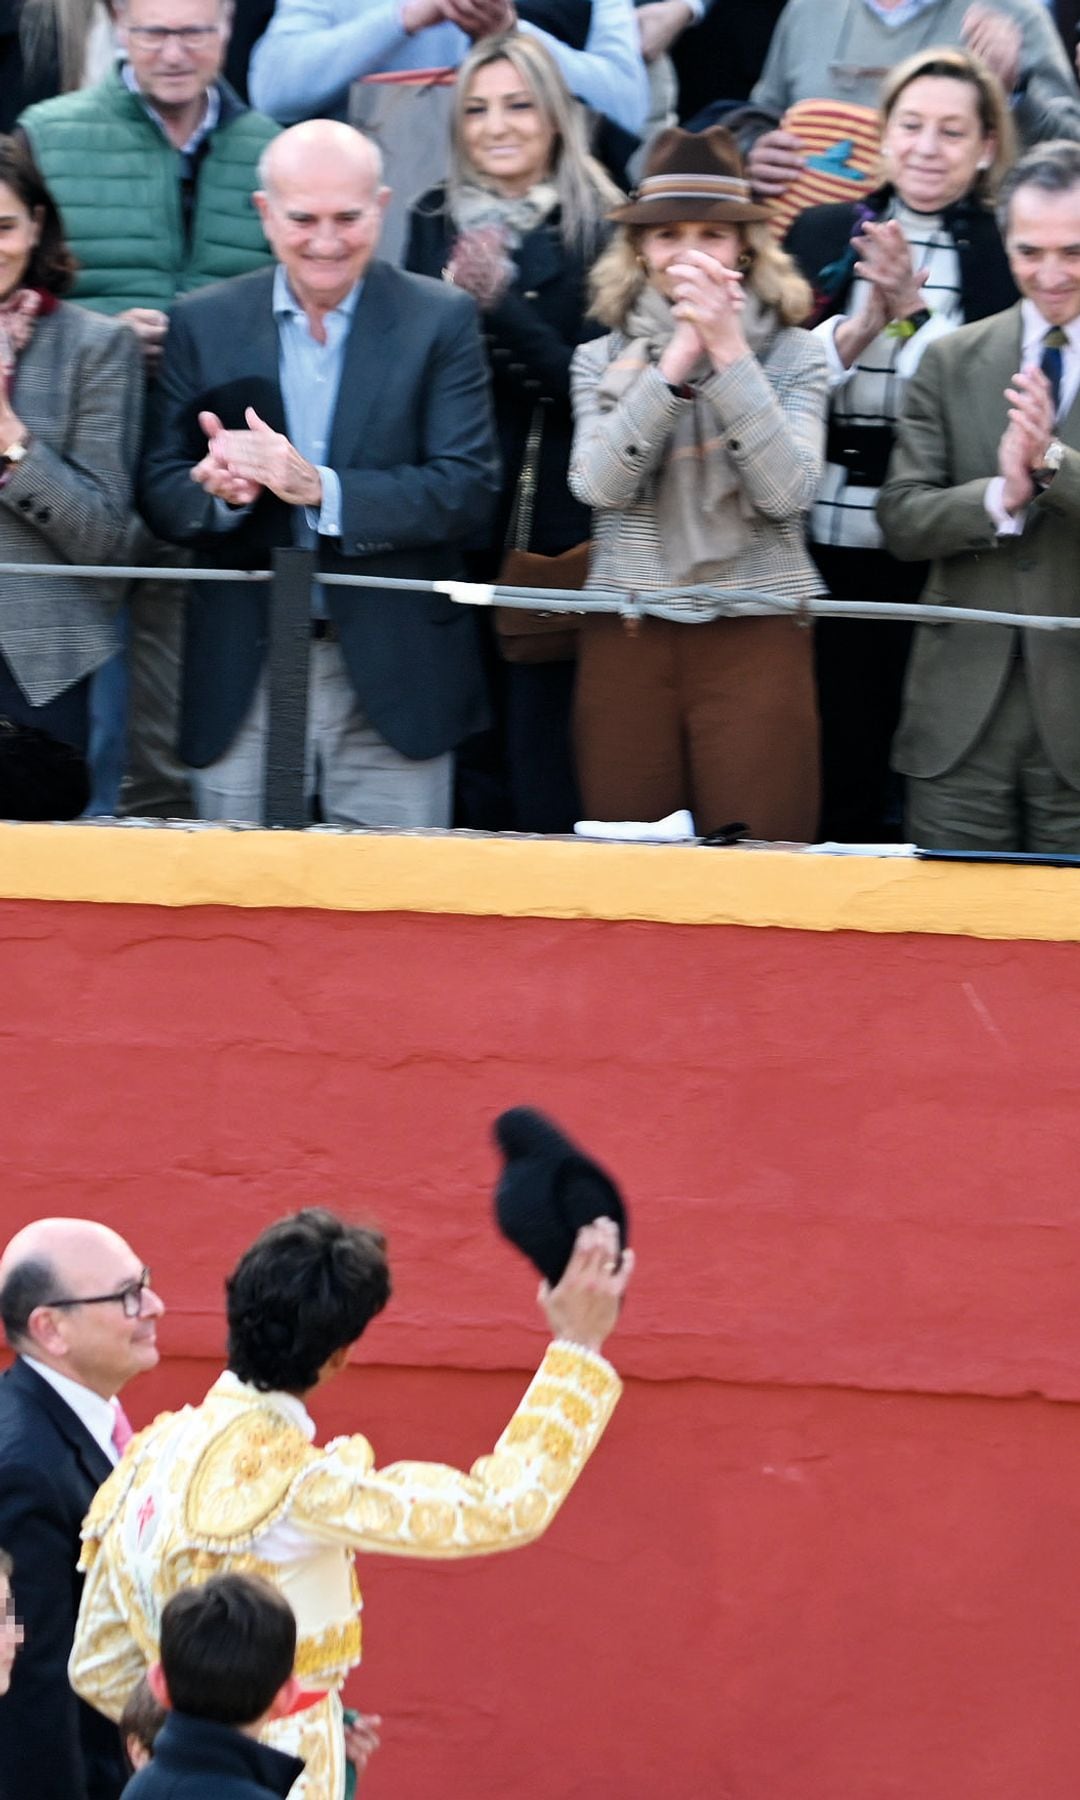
820,242
52,1746
413,446
195,1759
531,337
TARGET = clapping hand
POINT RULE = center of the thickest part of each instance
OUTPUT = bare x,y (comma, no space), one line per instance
710,297
997,39
481,264
248,461
885,262
1022,449
361,1740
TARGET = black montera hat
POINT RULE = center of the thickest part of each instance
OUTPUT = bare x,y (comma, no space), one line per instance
548,1190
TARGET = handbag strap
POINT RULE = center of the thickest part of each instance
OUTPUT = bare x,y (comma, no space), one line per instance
520,523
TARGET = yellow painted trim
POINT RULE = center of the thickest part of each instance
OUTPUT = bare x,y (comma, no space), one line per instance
532,878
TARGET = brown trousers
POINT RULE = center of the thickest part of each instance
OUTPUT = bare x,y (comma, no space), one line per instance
719,717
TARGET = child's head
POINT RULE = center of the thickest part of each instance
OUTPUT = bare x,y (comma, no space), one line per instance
140,1722
227,1652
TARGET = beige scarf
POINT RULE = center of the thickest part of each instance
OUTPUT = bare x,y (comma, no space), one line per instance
702,513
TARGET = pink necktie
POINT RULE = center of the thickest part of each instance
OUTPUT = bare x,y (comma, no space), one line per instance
122,1433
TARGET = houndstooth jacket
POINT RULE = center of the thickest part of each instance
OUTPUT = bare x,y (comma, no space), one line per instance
772,414
78,389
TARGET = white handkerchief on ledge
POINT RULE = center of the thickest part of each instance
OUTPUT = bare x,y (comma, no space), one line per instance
675,829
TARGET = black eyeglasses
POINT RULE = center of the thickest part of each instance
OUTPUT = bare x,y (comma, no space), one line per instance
130,1297
155,37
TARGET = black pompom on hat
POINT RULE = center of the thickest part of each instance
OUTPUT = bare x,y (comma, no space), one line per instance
548,1190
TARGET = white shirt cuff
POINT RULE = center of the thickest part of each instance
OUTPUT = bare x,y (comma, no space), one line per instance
327,520
1006,524
826,336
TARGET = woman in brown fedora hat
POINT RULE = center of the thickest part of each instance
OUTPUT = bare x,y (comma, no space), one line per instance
698,444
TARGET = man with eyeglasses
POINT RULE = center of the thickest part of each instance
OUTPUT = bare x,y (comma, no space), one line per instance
153,171
80,1314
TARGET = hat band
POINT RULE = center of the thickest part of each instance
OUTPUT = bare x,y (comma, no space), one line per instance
693,187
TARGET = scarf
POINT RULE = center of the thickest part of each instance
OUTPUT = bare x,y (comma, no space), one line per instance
474,208
18,315
702,513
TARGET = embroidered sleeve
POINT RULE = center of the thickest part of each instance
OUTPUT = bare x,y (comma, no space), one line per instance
507,1499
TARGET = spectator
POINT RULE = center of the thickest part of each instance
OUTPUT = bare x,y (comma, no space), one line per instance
700,422
844,49
314,49
11,1631
143,1716
298,1299
351,58
226,1670
356,417
140,1725
70,413
153,172
918,258
80,1315
982,482
518,224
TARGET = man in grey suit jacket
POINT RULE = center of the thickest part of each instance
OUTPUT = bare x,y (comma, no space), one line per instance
985,479
337,402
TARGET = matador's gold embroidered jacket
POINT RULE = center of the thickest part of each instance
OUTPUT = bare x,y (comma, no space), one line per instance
235,1484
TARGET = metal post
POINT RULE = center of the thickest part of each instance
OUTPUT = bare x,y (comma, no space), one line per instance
288,655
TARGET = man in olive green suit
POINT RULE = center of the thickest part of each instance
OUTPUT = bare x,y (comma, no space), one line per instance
985,480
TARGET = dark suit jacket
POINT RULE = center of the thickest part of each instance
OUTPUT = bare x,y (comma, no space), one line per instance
412,442
932,505
52,1746
531,336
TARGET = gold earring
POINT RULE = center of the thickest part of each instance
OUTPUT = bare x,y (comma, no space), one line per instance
745,261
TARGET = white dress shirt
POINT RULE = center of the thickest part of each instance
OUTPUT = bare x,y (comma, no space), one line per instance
97,1415
1033,333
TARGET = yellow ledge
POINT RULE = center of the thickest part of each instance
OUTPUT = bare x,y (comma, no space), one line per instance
521,877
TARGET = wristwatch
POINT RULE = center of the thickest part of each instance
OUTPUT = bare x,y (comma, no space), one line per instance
1053,456
15,453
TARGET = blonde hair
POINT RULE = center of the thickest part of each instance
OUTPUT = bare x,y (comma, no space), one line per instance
771,275
945,64
586,192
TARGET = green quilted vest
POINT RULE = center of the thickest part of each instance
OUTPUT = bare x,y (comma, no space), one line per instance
116,180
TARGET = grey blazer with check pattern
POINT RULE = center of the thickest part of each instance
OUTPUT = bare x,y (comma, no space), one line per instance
78,388
772,417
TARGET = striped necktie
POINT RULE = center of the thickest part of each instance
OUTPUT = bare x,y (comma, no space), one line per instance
1051,361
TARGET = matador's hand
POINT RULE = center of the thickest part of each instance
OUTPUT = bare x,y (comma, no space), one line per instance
585,1304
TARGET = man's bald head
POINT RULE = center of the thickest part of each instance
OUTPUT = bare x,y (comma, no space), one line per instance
303,150
61,1282
321,204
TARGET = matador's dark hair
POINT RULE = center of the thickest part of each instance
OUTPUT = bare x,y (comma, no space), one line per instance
307,1287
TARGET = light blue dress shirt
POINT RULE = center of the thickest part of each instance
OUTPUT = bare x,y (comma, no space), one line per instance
310,375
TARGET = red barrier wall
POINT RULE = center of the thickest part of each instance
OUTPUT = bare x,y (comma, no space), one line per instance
828,1549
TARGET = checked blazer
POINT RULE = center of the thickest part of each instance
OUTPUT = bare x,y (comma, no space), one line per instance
78,388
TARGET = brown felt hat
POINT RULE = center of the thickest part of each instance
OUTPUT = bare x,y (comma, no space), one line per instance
691,175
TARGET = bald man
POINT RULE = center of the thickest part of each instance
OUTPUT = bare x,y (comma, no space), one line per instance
78,1310
337,402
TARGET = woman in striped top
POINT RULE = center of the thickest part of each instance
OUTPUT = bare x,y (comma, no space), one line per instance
919,257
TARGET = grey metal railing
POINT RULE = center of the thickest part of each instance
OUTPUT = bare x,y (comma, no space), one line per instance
295,570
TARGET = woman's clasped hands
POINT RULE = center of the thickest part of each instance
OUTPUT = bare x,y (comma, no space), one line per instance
707,299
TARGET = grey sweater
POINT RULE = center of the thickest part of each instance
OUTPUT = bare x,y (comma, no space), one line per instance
839,50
